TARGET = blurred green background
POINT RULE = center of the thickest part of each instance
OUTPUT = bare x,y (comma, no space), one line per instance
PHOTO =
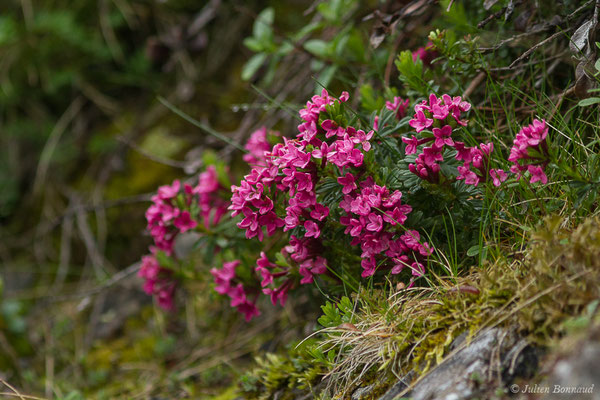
83,144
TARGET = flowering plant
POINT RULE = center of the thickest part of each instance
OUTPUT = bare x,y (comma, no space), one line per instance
323,203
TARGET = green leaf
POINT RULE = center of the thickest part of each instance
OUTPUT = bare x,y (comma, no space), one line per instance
356,46
335,10
369,99
325,78
411,72
473,251
318,47
8,30
281,261
589,101
307,29
285,48
164,260
262,29
252,65
254,44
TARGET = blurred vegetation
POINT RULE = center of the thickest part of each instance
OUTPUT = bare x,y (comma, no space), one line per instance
83,144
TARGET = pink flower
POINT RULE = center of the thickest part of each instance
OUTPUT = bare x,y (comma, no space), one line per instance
463,152
375,223
417,269
537,174
399,264
442,136
271,221
224,276
238,295
431,155
411,145
363,138
355,227
165,296
158,282
319,266
307,276
439,111
312,267
469,176
399,106
348,182
456,103
319,212
426,54
420,122
498,176
184,222
149,270
249,310
368,265
332,129
207,181
312,229
257,145
168,192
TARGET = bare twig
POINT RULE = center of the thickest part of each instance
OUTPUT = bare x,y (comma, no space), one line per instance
108,32
157,159
113,280
15,391
53,139
537,46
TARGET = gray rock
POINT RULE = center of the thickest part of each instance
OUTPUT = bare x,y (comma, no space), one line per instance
363,392
491,361
398,388
577,375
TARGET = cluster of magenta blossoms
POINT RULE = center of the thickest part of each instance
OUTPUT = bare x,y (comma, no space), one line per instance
227,283
176,209
158,281
302,255
257,145
437,118
373,218
426,54
292,173
399,106
530,152
281,195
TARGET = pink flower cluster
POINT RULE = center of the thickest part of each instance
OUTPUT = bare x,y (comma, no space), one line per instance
426,54
373,215
530,152
177,209
280,195
399,106
257,145
158,281
225,284
441,114
277,280
477,158
292,168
